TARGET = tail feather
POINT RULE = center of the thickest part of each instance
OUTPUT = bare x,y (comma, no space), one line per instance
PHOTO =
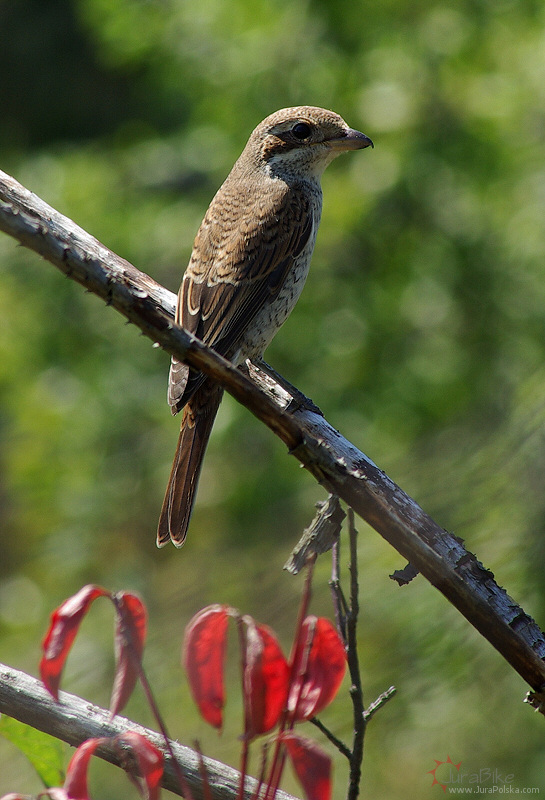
197,422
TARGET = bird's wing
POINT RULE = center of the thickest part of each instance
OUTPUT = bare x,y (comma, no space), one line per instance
242,254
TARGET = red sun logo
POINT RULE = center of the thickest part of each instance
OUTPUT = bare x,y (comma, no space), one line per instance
434,771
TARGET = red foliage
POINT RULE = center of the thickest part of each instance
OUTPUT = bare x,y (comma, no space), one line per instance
65,622
75,784
312,766
130,637
265,679
203,658
274,691
150,761
318,668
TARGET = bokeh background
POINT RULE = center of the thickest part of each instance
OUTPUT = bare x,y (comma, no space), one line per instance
420,334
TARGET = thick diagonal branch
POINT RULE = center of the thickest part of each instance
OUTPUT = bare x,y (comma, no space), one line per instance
339,466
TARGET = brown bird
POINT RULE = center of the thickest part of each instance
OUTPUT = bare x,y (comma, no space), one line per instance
249,263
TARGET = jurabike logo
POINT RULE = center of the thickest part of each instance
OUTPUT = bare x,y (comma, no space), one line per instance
448,775
438,764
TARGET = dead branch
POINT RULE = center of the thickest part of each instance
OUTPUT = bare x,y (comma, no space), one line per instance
74,720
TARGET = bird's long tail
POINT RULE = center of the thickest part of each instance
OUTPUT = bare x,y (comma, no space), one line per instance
197,421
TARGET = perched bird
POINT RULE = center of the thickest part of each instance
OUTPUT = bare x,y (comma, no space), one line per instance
249,263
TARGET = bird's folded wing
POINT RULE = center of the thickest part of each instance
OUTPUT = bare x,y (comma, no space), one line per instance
234,271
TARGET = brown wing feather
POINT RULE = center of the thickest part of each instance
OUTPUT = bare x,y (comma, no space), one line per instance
237,266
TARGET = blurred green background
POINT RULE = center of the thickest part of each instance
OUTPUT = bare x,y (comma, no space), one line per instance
420,334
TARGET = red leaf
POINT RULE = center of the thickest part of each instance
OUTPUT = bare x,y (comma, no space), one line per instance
265,680
75,784
312,766
319,667
130,636
203,658
150,761
65,622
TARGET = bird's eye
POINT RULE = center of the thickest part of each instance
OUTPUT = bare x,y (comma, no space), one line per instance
301,131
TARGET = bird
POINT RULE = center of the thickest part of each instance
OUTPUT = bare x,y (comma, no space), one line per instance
249,262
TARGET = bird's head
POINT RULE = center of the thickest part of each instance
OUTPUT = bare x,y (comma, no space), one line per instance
301,141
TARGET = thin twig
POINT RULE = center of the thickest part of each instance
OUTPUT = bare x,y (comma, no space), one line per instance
356,690
377,704
245,739
262,771
340,606
127,633
286,721
341,747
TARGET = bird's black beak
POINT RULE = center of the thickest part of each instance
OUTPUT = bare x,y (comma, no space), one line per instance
351,140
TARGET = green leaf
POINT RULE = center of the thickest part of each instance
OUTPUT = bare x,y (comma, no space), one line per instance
44,752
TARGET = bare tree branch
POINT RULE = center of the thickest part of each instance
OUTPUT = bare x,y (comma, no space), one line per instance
74,720
335,463
356,689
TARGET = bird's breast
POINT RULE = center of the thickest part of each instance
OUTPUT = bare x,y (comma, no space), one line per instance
261,331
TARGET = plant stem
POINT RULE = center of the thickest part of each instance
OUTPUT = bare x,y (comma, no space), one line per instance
137,662
356,691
